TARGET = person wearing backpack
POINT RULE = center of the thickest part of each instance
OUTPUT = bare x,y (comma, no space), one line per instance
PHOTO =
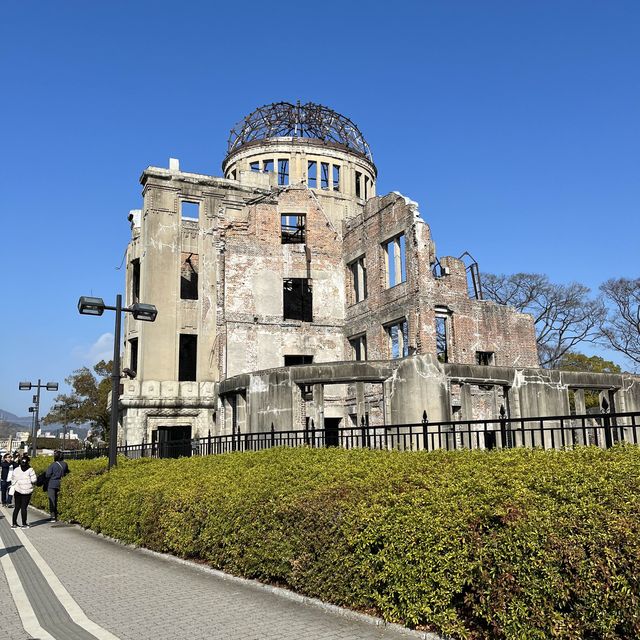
53,476
7,472
22,482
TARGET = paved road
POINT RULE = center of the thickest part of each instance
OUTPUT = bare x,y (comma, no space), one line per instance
59,582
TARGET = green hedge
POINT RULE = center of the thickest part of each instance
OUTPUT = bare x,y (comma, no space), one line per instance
520,544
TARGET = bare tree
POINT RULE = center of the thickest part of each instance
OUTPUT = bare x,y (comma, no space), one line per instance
564,315
621,327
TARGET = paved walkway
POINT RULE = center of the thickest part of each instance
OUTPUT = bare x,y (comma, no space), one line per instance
59,582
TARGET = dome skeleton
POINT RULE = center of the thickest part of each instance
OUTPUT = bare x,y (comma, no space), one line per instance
286,120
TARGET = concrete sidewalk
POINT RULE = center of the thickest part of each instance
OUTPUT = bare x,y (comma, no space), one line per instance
114,591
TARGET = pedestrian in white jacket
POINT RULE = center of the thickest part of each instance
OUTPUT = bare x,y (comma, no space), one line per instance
22,482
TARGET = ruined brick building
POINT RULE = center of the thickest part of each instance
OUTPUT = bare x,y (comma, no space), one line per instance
289,291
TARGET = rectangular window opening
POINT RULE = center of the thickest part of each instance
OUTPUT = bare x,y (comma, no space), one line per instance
135,280
395,261
485,358
366,187
297,299
336,177
189,276
283,172
358,184
358,270
324,175
359,347
398,333
187,357
312,174
254,166
133,354
267,166
442,339
293,360
292,228
190,210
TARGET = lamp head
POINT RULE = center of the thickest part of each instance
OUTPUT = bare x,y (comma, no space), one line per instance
91,306
145,312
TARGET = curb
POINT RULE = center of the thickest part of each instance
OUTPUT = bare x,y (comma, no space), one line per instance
280,592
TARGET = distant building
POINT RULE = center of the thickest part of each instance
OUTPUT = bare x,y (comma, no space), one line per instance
289,291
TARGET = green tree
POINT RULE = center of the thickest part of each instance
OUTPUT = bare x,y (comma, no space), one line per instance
87,402
592,364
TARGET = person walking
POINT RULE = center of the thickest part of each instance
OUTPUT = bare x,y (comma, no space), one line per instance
23,481
5,478
54,474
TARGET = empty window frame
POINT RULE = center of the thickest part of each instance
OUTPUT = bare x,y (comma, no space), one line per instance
324,175
254,166
293,360
135,280
336,177
292,228
358,184
442,335
359,347
283,171
358,270
395,261
187,357
189,210
312,174
485,358
398,333
267,165
366,187
297,299
133,354
189,276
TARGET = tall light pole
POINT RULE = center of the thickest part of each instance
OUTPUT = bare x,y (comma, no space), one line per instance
27,386
96,307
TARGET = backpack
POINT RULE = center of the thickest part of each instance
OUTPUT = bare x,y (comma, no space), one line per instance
42,481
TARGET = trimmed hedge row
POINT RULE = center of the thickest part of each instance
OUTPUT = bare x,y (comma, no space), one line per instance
475,544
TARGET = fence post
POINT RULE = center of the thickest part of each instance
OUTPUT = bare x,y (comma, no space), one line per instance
505,437
425,424
209,443
273,436
606,423
363,427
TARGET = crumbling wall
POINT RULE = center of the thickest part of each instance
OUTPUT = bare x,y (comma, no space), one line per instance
472,325
256,262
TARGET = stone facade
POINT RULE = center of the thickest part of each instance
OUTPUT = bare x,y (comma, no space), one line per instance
289,292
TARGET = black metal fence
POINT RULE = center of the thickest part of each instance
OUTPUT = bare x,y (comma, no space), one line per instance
554,432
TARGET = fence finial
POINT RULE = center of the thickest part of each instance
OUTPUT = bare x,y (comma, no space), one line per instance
503,412
605,405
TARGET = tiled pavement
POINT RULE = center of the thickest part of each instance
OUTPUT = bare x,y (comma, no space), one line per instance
137,595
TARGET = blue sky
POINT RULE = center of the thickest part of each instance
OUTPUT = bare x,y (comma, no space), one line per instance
514,125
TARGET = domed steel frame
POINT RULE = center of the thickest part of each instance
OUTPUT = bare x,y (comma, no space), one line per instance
286,120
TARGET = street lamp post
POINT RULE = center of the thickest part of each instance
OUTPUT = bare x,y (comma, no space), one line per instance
27,386
95,307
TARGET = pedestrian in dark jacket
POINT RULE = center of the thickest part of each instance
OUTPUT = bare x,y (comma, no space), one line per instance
5,478
54,474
